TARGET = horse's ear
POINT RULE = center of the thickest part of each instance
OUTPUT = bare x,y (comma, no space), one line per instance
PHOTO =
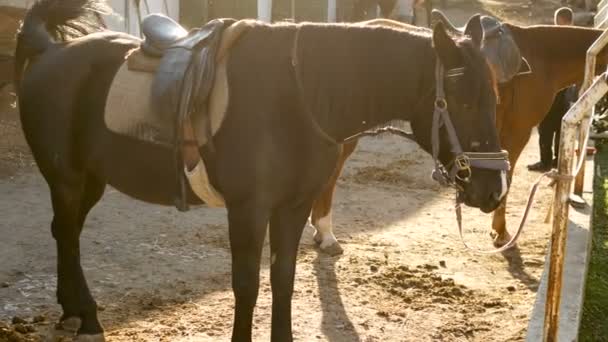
445,47
474,30
438,17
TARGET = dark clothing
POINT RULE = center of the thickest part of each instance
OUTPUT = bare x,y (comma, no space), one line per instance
550,128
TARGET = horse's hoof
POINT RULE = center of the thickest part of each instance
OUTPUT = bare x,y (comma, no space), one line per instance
69,325
90,338
328,245
500,240
332,250
64,331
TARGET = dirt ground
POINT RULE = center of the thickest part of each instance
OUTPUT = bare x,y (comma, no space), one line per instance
160,275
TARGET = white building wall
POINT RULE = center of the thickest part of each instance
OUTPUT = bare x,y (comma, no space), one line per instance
127,19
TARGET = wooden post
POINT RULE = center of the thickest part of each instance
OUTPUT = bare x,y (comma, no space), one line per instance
579,181
561,206
590,62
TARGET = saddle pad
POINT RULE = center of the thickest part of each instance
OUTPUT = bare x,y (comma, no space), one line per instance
129,104
128,107
137,60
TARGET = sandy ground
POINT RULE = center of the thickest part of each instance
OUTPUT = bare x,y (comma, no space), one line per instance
160,275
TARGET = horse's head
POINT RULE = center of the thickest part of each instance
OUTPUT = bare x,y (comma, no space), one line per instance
498,45
466,138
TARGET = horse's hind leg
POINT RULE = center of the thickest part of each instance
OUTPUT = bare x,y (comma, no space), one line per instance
321,211
71,203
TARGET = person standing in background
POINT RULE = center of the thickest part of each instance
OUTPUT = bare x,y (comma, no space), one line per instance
549,129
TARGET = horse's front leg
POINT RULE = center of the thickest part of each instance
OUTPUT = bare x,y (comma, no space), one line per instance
321,211
247,228
286,225
514,144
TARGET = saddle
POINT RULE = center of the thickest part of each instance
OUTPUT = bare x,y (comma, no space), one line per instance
181,83
499,46
161,33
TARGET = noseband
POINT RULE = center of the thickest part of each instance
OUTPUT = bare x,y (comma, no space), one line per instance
460,167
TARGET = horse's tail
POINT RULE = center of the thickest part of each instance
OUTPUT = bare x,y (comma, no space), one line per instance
50,21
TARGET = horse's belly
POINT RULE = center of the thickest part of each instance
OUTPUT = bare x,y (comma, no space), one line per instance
142,170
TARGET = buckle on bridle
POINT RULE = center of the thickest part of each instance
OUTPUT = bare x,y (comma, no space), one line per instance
463,165
462,162
441,103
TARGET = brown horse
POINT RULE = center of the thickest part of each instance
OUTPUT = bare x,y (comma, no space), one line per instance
556,55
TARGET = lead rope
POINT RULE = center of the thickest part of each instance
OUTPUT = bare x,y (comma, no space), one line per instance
553,174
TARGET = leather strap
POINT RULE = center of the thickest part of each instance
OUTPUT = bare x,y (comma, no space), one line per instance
551,174
460,166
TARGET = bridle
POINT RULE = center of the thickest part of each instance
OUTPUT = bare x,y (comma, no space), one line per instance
460,167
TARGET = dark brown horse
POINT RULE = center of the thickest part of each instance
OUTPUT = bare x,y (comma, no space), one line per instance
556,55
278,144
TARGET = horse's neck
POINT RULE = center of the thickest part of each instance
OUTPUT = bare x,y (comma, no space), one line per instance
372,79
557,53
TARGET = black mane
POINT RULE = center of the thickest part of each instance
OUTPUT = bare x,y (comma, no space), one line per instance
375,73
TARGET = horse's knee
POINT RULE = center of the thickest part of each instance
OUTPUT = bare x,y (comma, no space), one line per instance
245,282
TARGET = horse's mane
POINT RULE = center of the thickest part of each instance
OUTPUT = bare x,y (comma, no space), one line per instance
380,48
407,41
